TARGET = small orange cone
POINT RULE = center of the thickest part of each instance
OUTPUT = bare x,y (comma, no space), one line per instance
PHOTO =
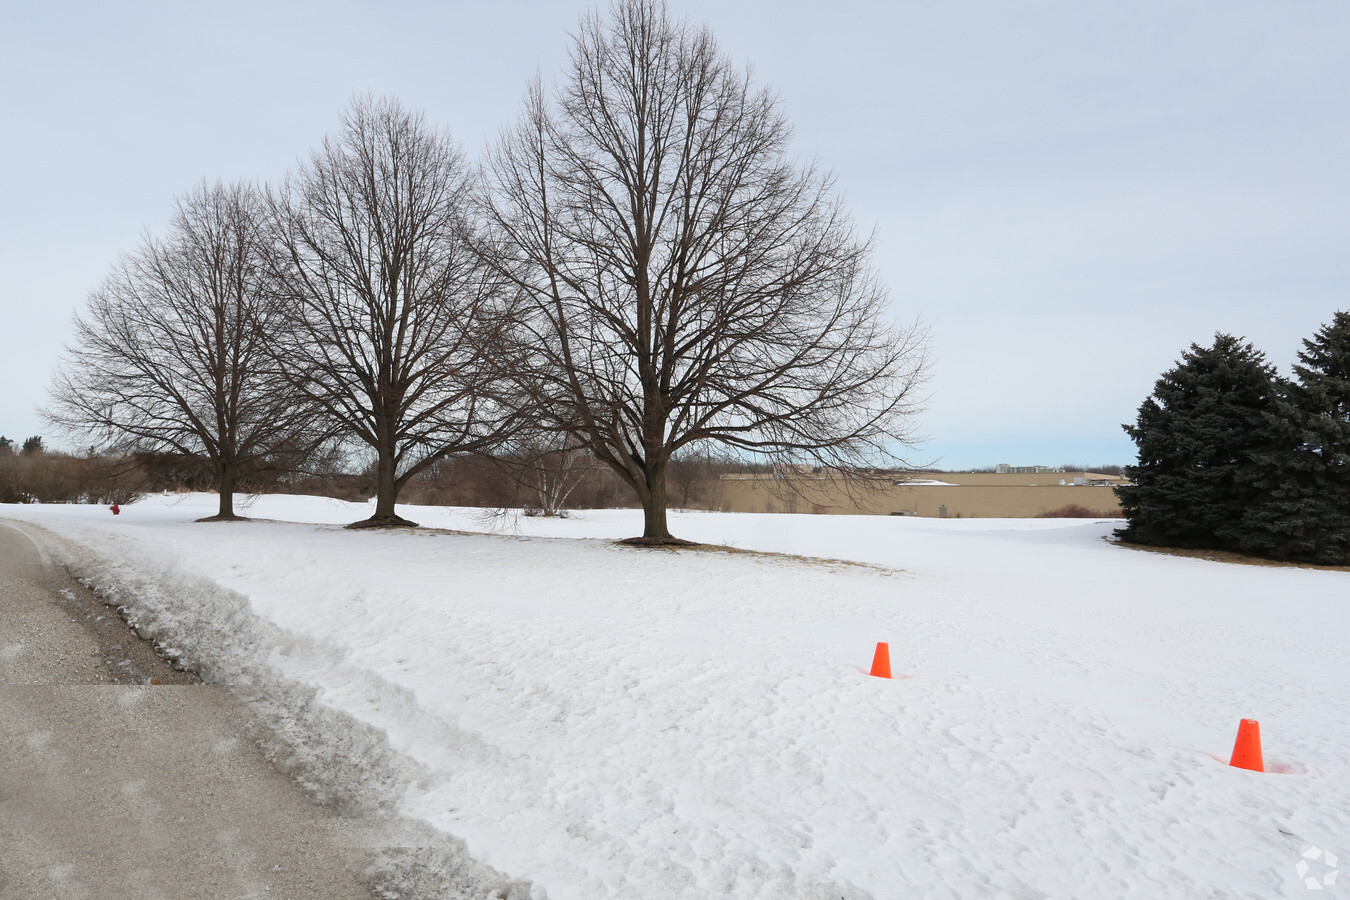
1247,750
881,661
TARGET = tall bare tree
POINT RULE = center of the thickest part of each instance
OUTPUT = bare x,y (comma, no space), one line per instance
396,318
170,355
687,282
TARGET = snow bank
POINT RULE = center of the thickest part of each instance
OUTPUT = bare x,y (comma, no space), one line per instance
612,722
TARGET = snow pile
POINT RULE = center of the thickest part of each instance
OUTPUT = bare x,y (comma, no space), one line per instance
607,721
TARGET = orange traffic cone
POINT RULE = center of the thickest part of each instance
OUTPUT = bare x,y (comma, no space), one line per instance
881,661
1247,750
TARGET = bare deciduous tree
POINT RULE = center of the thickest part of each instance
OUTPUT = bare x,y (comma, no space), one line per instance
687,283
550,468
694,472
170,356
395,316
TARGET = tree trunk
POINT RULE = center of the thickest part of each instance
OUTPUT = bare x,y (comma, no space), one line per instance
654,527
386,488
225,492
655,532
226,509
386,494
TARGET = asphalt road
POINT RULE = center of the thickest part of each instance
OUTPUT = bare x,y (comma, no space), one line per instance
121,777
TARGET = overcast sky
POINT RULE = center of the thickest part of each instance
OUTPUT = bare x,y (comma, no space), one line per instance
1070,193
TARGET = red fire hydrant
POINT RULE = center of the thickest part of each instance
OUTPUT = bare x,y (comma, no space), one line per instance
116,510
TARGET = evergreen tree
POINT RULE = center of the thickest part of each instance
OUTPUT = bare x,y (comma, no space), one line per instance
1202,436
1307,517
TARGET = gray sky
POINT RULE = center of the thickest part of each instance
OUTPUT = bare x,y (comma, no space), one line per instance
1070,193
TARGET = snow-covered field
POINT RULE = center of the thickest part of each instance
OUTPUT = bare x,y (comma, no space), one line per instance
613,722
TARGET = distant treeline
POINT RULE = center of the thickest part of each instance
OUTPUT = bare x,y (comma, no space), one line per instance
34,474
30,473
1111,469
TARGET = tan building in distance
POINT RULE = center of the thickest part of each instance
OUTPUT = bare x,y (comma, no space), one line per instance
1023,492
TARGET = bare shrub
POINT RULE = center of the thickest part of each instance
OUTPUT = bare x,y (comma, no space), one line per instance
1077,511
